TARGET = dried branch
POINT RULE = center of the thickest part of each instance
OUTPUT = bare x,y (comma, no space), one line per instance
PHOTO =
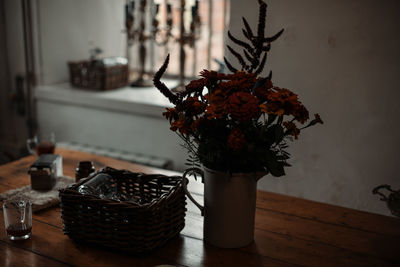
247,55
261,19
269,75
267,47
230,67
262,64
273,38
174,99
245,34
258,44
238,56
248,29
240,43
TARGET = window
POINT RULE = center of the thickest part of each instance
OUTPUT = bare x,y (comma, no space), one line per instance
208,48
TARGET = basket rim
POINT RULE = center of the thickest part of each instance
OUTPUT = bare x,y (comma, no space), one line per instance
71,190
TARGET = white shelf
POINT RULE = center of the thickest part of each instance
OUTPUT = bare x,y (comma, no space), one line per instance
137,100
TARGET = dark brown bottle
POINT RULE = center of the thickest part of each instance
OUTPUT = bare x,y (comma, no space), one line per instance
85,168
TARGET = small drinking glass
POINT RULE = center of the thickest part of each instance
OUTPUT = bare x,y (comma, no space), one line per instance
41,144
18,218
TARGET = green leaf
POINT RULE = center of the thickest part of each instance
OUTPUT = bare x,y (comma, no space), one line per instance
279,133
274,166
260,83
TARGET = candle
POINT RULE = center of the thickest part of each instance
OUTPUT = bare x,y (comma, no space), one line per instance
169,8
132,6
126,12
194,12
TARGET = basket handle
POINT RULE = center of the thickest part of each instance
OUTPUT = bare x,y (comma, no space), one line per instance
184,183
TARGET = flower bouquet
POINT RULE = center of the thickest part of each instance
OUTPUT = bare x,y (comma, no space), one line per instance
238,122
236,126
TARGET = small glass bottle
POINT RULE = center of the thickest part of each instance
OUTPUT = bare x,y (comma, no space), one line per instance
102,185
85,168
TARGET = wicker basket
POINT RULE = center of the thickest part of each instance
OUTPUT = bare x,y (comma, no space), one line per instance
97,75
156,214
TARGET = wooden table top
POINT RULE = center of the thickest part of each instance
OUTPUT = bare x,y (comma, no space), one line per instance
288,231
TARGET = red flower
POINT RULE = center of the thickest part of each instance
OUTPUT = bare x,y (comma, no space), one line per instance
262,91
243,106
196,85
193,106
318,119
171,114
218,105
182,126
301,114
291,128
197,124
236,140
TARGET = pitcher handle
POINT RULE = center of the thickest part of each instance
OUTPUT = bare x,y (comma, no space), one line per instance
385,186
184,183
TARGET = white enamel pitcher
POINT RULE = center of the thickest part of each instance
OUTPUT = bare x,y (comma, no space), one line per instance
229,206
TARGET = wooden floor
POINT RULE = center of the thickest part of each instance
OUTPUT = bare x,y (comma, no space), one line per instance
288,231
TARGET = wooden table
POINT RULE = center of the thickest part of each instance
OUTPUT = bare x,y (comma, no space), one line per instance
288,231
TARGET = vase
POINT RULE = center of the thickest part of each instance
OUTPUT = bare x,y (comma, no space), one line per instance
229,206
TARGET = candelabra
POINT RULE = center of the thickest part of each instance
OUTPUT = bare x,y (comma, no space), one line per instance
184,37
138,34
162,35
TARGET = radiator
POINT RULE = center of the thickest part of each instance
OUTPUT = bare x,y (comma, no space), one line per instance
152,161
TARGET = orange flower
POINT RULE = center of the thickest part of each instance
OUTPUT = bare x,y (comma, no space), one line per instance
193,106
272,108
243,106
282,101
181,125
282,95
301,114
217,107
262,91
210,75
240,75
196,124
171,114
236,140
318,118
292,128
196,86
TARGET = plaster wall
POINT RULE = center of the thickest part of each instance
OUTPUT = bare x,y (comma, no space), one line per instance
125,131
342,58
70,29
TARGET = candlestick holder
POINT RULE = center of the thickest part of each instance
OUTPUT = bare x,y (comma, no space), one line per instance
162,35
187,38
140,35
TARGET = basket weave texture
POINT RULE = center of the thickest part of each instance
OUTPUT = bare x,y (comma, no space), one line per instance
154,213
87,75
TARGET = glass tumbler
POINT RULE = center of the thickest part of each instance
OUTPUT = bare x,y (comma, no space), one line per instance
41,144
18,218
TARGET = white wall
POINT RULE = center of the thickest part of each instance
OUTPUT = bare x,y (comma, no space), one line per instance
343,59
149,136
69,29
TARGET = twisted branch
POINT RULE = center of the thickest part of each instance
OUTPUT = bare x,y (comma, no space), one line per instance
258,44
174,99
229,65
